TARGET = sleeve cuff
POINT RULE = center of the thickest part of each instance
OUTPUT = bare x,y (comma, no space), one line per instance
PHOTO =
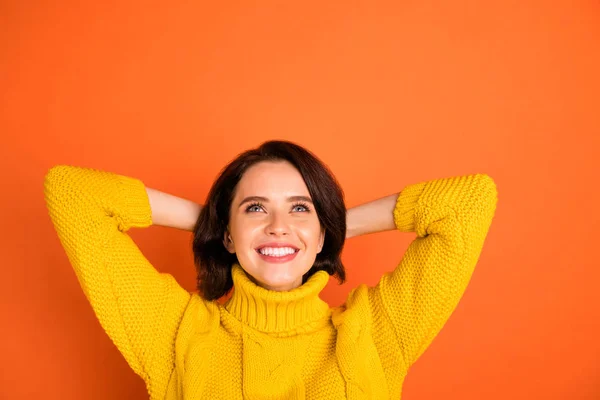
136,203
404,211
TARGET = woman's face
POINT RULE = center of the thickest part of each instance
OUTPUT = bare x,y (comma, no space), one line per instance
273,226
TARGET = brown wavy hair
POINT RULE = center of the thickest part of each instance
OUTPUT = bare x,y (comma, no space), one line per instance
213,262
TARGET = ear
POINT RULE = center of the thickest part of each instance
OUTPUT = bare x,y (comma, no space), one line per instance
321,240
228,242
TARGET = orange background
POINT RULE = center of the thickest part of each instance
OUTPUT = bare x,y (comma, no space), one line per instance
387,94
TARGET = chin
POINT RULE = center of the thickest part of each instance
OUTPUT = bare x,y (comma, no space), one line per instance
277,277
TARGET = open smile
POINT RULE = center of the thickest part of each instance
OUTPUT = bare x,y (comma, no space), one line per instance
278,258
277,252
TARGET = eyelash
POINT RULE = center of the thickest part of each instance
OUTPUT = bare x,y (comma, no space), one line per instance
258,204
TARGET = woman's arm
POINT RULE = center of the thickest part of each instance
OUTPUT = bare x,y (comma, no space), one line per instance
172,211
451,218
139,308
372,217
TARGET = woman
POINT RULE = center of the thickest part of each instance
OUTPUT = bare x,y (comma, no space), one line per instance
272,228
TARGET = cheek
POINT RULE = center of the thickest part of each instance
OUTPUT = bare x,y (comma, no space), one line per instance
310,234
246,232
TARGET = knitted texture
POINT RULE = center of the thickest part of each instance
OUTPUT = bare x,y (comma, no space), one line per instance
263,344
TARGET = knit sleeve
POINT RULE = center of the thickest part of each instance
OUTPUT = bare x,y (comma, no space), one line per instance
451,218
139,308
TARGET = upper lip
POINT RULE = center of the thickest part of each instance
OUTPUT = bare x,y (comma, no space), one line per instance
277,244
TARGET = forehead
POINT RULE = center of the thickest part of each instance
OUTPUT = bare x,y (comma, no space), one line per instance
271,179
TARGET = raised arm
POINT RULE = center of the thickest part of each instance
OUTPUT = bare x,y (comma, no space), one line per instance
138,307
451,218
172,211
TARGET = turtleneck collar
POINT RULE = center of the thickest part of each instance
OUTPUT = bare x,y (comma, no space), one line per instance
294,311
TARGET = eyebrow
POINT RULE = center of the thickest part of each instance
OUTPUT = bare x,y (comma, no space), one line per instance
265,200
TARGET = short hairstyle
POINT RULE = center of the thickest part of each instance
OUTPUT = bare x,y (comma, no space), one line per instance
213,261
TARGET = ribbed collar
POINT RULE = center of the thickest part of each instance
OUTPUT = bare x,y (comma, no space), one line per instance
294,311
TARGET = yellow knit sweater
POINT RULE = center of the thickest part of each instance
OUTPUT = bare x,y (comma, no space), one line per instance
263,344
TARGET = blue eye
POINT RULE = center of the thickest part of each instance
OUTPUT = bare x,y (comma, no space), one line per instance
301,205
249,208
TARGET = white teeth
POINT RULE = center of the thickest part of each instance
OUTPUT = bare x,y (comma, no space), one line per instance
277,251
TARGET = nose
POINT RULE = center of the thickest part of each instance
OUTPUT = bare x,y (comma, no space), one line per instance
277,225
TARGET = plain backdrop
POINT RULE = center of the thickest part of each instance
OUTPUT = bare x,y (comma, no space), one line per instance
386,93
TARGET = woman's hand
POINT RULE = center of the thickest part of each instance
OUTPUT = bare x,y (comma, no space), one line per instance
372,217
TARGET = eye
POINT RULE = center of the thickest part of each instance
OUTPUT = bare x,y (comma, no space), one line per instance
253,207
302,206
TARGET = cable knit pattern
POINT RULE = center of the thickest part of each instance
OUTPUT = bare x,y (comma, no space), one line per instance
263,344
